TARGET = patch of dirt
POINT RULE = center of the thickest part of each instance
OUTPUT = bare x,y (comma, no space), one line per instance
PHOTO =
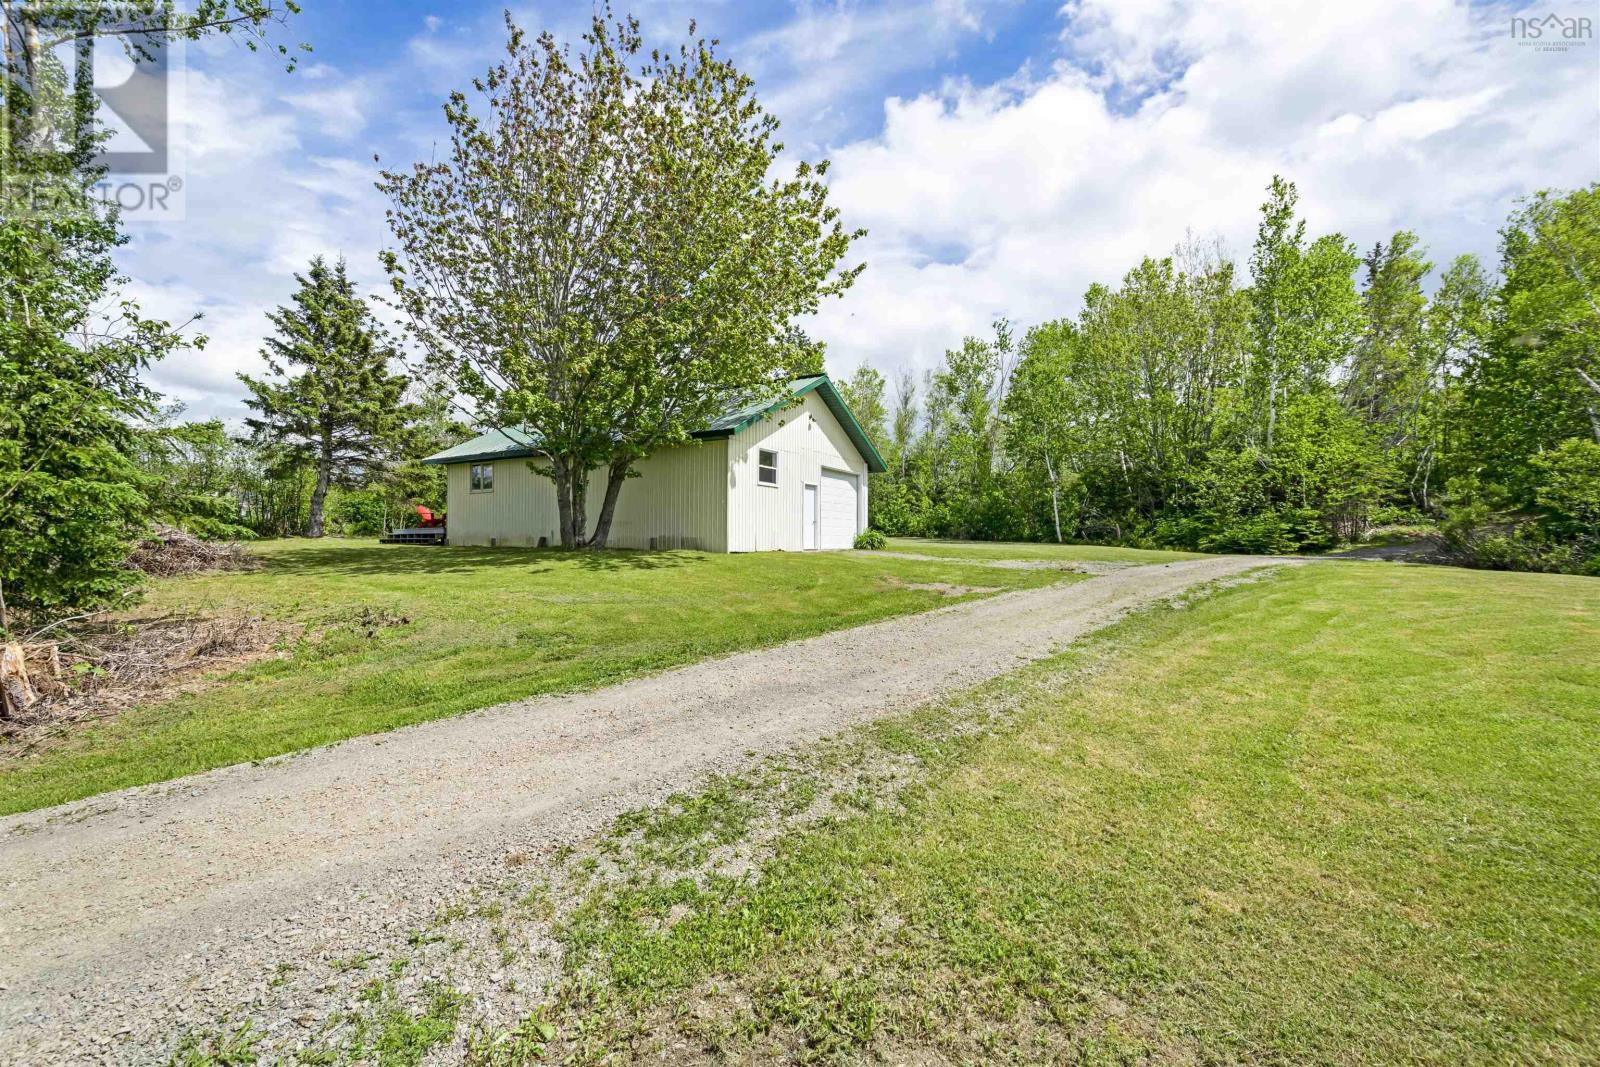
889,581
168,552
1196,594
1423,550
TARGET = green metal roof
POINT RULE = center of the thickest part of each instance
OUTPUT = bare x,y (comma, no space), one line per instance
496,444
515,444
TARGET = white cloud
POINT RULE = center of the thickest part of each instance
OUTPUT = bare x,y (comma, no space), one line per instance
1165,116
340,111
220,129
806,67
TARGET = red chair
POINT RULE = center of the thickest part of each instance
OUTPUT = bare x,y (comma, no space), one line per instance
427,519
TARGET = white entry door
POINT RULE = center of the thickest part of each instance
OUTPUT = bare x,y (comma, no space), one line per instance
808,518
837,521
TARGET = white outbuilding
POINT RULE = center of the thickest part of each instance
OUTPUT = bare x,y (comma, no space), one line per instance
784,475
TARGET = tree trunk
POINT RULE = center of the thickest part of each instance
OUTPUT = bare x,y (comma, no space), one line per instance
563,483
1594,415
15,691
319,496
1055,495
572,489
615,475
1272,411
578,482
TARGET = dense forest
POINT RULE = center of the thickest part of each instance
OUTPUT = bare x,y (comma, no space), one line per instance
1321,398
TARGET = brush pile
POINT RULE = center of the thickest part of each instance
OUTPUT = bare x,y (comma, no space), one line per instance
100,669
167,552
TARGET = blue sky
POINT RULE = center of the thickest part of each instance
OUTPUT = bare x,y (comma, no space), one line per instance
1002,154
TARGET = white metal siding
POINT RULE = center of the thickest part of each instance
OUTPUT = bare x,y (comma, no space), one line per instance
837,528
680,497
680,493
520,510
706,492
807,438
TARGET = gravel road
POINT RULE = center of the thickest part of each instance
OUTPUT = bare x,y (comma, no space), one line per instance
128,916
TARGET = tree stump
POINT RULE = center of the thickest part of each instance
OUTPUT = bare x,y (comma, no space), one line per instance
16,691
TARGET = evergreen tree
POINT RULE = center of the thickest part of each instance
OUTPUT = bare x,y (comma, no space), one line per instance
332,403
72,349
71,499
1389,366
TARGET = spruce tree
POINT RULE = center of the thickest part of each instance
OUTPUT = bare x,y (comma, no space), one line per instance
332,402
72,348
1389,366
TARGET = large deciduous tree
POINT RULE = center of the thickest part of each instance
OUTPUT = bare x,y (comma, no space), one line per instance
605,259
332,404
1046,425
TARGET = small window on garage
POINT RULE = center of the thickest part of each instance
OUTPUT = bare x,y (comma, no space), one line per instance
483,477
767,466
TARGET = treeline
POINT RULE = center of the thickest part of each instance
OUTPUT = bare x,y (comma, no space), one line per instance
1324,396
1319,396
227,486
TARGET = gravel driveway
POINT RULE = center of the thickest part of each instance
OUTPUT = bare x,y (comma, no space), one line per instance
127,916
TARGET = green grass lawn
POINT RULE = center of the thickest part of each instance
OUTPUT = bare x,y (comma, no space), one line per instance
1027,550
487,625
1344,815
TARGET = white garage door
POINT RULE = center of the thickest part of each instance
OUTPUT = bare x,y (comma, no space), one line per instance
838,525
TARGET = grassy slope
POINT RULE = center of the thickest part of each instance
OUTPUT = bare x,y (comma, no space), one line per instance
488,626
1020,550
1344,816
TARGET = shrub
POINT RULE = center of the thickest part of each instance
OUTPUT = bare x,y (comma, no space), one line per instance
210,529
1482,529
1569,491
1265,533
357,513
872,540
